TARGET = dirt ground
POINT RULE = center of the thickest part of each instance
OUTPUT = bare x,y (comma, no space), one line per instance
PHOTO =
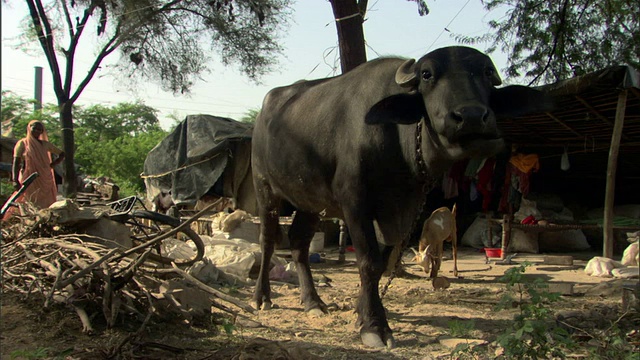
419,316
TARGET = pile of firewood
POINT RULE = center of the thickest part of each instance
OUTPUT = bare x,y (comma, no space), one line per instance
91,275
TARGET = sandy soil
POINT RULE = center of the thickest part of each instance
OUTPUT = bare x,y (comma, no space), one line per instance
419,316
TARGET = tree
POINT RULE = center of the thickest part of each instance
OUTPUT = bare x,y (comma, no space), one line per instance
162,40
111,141
17,111
553,40
114,141
102,123
250,116
349,15
121,159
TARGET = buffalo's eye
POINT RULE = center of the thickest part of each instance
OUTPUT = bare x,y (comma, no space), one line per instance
489,72
426,75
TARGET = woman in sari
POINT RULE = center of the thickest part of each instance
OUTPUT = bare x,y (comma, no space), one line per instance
33,154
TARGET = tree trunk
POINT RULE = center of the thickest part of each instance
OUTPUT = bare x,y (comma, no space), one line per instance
69,184
349,21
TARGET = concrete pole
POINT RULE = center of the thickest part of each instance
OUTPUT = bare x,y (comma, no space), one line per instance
37,94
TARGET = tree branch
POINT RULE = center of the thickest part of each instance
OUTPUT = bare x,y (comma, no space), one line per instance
556,38
73,45
67,17
106,50
114,42
41,24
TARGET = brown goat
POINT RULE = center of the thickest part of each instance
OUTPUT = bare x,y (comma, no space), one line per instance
438,228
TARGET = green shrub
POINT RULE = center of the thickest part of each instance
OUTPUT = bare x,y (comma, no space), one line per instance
534,333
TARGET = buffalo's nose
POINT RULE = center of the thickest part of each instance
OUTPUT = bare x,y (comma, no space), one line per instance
471,113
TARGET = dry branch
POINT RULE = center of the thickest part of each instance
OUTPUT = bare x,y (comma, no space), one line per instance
92,277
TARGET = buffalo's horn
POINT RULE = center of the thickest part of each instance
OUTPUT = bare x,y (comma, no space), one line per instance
406,75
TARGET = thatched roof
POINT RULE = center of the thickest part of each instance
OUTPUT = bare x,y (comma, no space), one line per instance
584,118
582,123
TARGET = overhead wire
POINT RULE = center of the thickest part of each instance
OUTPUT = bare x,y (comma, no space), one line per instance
446,27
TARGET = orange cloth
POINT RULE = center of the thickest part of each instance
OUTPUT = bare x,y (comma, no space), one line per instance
36,155
525,163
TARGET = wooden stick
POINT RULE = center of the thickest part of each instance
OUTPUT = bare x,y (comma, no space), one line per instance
86,270
77,248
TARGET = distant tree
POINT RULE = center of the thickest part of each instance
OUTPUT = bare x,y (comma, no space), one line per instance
121,159
13,107
114,141
553,40
168,41
349,15
102,123
175,119
111,141
250,116
17,111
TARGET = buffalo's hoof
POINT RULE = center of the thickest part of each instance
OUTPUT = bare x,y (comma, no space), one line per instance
316,312
374,340
261,306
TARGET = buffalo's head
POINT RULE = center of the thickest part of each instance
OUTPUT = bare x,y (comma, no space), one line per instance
454,90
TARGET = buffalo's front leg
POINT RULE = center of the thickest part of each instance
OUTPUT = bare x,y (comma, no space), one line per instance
301,232
372,319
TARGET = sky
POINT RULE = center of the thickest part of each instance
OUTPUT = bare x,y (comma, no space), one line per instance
392,28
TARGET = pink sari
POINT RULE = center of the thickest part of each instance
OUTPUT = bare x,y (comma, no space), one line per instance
43,191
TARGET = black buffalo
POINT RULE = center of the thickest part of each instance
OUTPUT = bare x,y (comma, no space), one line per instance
347,147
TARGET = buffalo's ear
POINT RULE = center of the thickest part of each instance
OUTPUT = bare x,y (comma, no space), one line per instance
397,109
517,100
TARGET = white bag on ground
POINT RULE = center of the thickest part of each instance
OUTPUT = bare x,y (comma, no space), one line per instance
522,241
568,240
477,235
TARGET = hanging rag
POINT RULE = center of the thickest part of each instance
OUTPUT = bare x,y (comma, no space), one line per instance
525,163
564,160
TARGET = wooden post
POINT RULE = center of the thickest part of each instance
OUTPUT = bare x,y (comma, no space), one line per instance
342,242
506,234
607,225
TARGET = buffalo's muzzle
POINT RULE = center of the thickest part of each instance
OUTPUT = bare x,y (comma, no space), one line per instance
471,114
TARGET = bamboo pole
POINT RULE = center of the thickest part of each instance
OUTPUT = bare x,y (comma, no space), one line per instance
607,225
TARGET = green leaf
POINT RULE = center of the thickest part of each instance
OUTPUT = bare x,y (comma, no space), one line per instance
519,333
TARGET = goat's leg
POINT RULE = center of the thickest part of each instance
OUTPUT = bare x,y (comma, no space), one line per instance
436,259
454,241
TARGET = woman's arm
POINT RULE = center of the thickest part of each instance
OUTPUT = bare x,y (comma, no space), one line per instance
15,169
58,160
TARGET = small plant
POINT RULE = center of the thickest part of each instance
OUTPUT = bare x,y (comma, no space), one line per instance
232,289
467,351
534,333
459,328
228,326
611,344
39,353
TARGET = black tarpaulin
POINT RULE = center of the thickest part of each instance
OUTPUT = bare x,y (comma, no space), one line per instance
189,161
